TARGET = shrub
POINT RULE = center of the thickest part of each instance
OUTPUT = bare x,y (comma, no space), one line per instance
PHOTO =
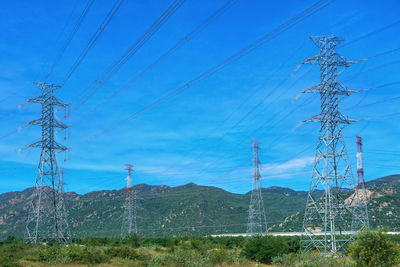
180,258
49,254
92,241
123,252
308,259
12,240
197,244
5,262
374,249
264,248
131,240
294,245
71,253
160,260
94,256
218,256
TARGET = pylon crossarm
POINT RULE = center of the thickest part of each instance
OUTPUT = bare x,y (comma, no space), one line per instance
58,124
314,89
59,147
36,144
57,102
34,122
315,118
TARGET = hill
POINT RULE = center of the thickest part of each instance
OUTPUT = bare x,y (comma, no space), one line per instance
190,209
383,206
162,210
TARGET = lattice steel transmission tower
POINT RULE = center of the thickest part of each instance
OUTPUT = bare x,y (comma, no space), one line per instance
129,225
47,219
333,205
257,221
360,180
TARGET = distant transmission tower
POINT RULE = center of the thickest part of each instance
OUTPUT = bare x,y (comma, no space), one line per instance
129,225
257,222
360,181
333,205
47,219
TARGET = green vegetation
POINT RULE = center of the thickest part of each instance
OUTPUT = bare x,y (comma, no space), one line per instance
191,210
163,210
169,211
370,249
265,248
374,249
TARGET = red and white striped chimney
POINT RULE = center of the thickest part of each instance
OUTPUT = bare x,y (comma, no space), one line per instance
360,170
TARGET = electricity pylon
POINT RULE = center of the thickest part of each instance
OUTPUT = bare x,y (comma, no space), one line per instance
47,218
129,225
257,221
333,205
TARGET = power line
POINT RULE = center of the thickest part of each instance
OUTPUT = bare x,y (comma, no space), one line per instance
255,107
93,40
132,50
249,135
164,56
371,33
276,115
233,58
70,37
58,38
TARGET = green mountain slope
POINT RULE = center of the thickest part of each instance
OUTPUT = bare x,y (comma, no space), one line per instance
383,206
190,209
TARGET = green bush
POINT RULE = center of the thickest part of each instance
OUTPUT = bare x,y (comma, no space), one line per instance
72,253
49,254
131,240
218,256
197,244
5,262
123,252
264,248
11,251
309,259
374,249
94,256
160,260
180,258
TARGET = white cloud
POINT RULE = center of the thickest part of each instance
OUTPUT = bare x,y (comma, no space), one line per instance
289,168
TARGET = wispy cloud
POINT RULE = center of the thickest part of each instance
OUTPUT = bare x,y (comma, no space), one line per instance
289,168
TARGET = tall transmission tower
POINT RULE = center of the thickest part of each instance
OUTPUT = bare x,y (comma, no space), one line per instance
129,225
360,180
47,218
257,221
333,204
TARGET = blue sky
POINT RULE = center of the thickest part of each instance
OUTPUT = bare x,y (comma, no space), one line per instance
195,136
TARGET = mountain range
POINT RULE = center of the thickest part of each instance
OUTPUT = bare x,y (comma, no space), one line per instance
191,209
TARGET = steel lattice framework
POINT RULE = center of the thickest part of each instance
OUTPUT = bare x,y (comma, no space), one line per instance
129,225
333,204
47,219
257,222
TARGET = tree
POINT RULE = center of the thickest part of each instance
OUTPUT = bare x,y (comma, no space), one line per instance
374,249
264,248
